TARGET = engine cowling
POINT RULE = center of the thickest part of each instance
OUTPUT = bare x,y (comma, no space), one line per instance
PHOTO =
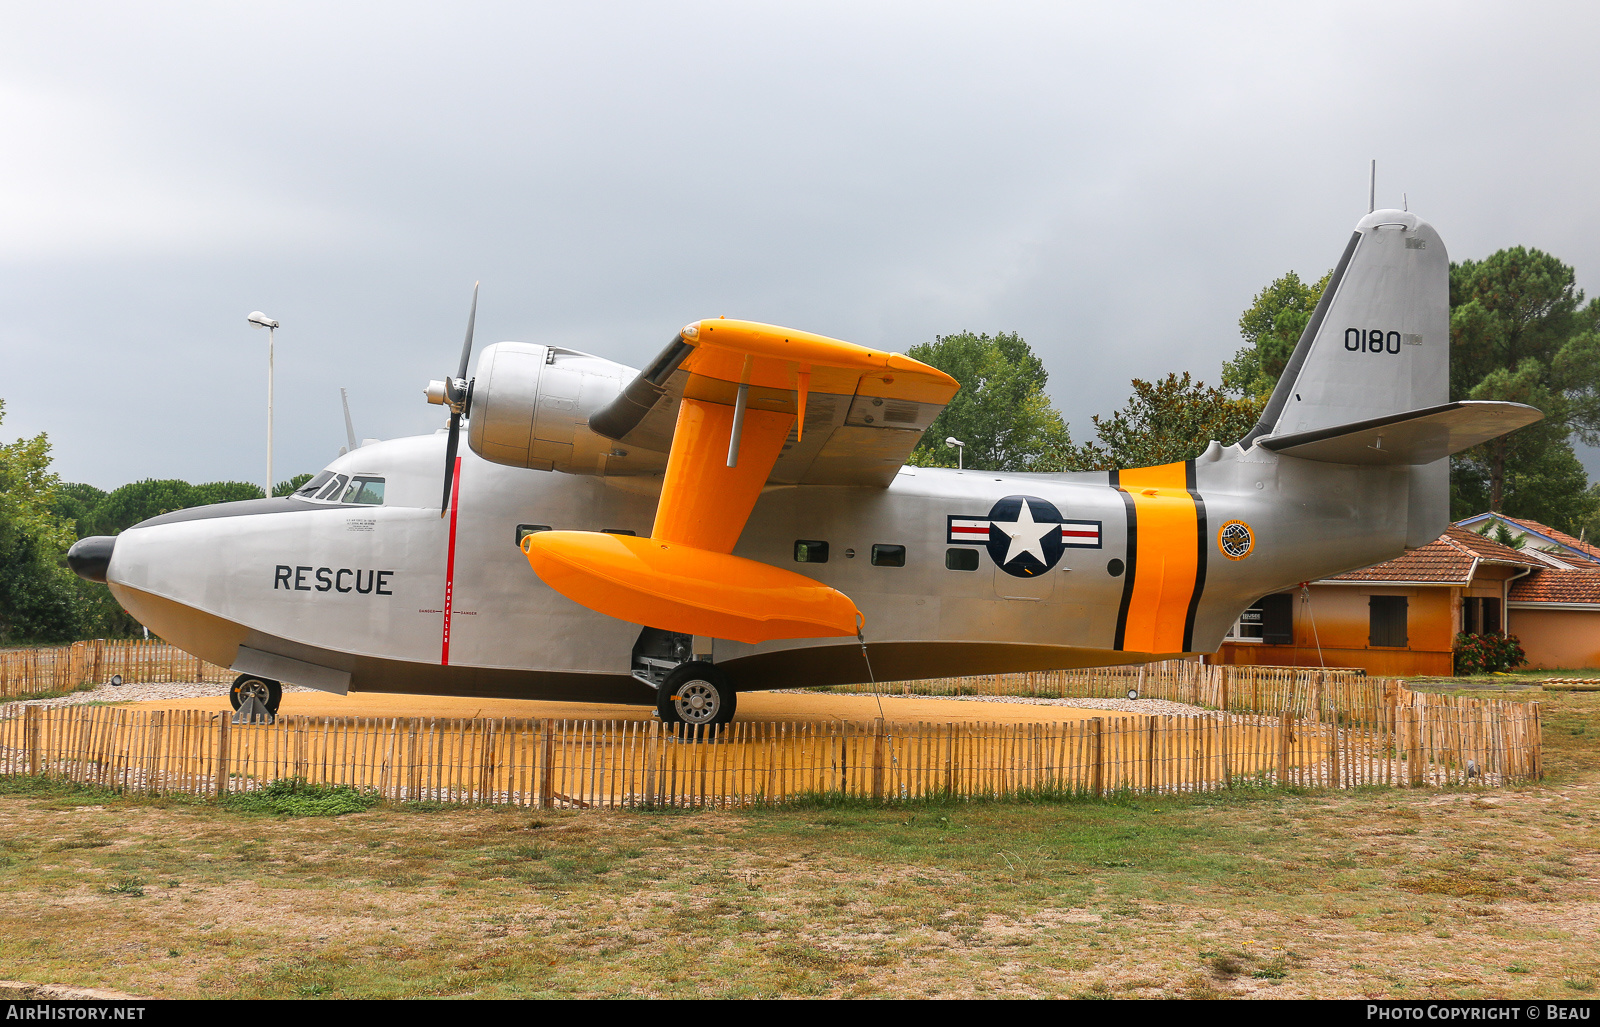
531,406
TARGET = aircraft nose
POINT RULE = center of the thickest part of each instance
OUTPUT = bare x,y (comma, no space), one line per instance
90,556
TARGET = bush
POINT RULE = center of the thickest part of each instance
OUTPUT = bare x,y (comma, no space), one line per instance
1486,654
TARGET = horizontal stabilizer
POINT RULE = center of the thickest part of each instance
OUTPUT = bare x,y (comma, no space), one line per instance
693,591
1413,437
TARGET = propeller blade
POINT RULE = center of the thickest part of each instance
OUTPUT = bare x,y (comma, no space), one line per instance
349,429
457,406
450,460
466,347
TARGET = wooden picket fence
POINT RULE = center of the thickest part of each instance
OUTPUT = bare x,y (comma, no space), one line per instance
1423,741
64,668
1244,689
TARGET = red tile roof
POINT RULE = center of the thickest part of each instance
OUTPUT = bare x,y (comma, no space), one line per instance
1446,560
1553,586
1588,549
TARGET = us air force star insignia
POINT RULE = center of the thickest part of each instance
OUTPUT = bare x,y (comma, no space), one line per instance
1028,535
1025,535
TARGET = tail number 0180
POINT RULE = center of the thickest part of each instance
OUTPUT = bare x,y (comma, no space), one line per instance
1376,340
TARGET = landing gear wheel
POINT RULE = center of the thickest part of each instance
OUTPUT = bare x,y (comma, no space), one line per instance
246,685
696,694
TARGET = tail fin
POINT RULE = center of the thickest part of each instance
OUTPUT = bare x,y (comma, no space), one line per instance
1378,342
1377,345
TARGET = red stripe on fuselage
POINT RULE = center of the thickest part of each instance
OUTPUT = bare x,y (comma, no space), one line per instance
450,566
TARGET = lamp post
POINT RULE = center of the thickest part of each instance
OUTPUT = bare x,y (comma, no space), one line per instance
261,320
961,451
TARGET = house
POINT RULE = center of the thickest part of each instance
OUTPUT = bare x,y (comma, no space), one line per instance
1398,618
1536,538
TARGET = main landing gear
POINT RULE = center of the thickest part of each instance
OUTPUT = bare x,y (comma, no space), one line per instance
249,685
688,691
696,694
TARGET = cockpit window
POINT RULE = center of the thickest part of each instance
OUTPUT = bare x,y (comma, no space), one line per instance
364,491
310,488
333,488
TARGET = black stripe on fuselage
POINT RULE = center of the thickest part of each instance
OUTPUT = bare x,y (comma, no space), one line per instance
1202,537
1128,564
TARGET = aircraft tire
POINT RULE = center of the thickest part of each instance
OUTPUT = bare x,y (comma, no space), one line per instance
696,694
269,692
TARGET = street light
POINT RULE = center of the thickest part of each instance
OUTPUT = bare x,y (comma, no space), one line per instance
961,451
261,320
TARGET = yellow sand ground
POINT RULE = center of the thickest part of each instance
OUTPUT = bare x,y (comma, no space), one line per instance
753,706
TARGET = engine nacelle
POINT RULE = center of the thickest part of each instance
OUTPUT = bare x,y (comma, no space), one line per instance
531,406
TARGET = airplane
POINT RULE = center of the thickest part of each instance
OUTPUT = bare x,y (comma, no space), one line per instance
738,515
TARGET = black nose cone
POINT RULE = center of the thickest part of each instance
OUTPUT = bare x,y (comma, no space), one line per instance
90,556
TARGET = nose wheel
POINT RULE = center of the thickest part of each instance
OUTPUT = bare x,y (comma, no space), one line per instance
247,685
696,694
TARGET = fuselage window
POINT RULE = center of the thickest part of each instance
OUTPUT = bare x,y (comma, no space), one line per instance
310,488
888,556
334,487
364,491
524,530
961,559
810,551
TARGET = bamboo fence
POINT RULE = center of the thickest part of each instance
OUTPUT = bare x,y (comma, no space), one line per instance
1420,740
64,668
1247,689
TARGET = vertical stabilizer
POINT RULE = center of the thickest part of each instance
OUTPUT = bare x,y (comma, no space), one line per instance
1378,342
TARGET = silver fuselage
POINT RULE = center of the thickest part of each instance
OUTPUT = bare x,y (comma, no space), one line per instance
365,586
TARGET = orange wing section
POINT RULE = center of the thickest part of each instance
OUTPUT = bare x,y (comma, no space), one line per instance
747,390
679,588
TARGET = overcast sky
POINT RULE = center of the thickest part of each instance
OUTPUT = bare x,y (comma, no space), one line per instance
1114,182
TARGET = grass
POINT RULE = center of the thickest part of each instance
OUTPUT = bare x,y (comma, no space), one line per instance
1373,893
87,686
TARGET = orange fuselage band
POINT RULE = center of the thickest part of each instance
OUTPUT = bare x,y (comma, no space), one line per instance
1167,562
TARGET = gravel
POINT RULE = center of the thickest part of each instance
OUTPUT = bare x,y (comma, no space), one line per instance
1151,707
135,693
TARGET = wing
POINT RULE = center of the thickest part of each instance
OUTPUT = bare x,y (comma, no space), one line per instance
736,404
859,412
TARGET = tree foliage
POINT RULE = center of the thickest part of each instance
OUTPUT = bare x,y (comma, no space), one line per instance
38,597
1001,412
1171,420
41,600
1271,327
1520,331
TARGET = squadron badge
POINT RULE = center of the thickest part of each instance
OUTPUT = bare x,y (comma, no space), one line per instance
1235,539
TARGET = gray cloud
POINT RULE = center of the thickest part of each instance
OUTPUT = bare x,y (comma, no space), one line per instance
1113,183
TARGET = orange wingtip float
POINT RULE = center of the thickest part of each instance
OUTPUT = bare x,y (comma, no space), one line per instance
679,588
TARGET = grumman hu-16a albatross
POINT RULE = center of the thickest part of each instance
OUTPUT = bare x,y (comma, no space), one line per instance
736,515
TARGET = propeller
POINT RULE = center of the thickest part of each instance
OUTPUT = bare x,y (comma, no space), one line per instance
456,393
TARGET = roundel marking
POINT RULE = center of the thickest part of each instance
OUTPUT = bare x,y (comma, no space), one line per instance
1236,540
1025,535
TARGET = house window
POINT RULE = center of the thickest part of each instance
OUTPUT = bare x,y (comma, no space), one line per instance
1388,620
1277,619
1270,620
1480,615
